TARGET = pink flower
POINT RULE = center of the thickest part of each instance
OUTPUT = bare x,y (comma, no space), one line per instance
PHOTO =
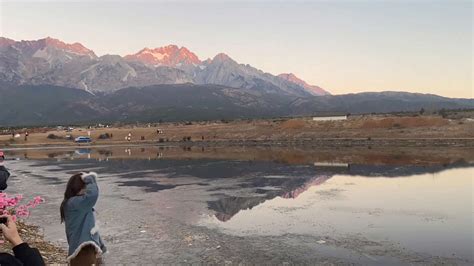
38,199
9,205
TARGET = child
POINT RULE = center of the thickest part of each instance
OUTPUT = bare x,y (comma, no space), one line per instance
4,174
77,212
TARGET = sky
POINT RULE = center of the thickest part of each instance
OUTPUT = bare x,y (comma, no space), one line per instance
343,46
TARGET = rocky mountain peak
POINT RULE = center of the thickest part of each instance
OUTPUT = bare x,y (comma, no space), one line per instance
315,90
76,47
292,77
40,46
6,42
222,57
170,55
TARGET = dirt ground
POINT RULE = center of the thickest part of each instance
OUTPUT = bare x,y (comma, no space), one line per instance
356,131
51,253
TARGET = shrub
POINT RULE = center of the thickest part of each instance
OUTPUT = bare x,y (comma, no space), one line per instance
443,113
104,136
53,136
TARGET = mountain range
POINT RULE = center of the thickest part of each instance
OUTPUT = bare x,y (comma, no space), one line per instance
51,61
48,81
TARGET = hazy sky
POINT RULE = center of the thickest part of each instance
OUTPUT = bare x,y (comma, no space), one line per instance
343,46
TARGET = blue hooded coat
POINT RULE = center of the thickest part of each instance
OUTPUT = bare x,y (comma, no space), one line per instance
81,228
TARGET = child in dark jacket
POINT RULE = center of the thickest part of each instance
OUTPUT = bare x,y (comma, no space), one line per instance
4,174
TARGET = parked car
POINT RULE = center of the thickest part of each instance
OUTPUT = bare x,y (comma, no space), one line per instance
83,140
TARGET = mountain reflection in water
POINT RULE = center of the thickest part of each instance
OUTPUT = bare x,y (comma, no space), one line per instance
227,207
292,187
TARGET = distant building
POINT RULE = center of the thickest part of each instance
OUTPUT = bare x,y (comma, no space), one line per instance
329,117
331,164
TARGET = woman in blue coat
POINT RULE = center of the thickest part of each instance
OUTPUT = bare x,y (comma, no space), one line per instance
77,212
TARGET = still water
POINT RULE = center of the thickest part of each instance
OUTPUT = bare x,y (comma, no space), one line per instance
251,205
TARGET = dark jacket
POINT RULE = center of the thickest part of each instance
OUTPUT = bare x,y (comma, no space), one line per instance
24,255
4,175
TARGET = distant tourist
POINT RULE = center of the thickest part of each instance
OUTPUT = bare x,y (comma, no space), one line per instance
4,174
26,135
77,212
23,253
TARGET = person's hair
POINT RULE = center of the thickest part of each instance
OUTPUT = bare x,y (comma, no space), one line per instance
74,186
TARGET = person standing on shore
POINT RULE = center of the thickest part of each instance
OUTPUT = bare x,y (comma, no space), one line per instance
77,212
4,174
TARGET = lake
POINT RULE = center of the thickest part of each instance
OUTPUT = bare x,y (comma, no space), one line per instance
264,205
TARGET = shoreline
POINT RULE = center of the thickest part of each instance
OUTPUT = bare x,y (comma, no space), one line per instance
300,154
370,130
322,142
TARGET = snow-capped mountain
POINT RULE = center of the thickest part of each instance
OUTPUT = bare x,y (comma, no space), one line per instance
111,72
37,61
223,70
51,61
170,55
315,90
41,48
